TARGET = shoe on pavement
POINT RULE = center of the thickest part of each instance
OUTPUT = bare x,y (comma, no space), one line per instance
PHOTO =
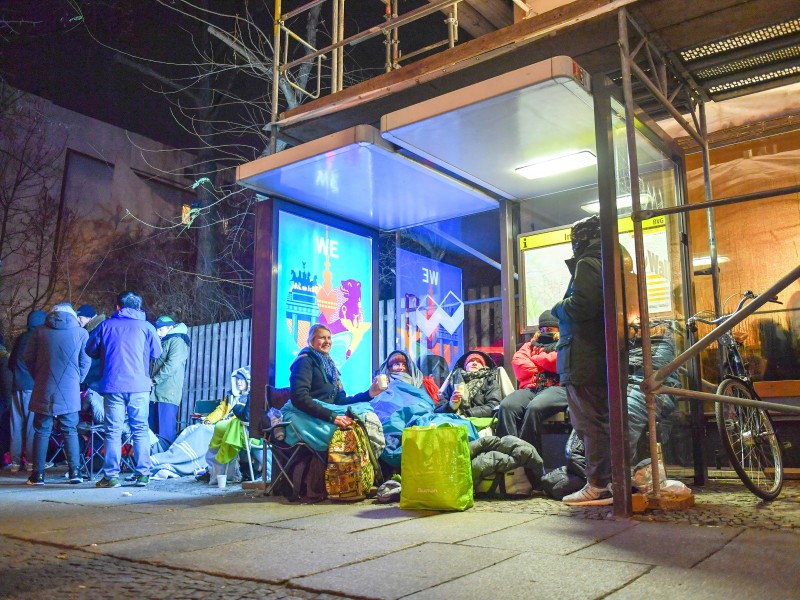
27,467
12,467
75,477
36,479
48,465
204,477
108,482
142,481
590,495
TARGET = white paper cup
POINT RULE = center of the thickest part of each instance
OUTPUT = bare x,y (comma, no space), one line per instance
461,388
383,381
222,481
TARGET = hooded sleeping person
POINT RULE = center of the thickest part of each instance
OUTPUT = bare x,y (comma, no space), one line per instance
402,402
473,389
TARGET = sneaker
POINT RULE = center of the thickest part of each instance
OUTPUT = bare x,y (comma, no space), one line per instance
142,481
108,482
204,477
49,465
75,477
12,466
590,495
36,479
27,467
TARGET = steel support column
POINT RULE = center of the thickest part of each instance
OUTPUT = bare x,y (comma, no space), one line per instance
616,348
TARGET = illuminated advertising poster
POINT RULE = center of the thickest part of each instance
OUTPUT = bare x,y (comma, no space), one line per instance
324,276
545,276
430,313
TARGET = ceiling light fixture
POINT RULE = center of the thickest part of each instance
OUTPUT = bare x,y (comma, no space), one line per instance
562,164
624,204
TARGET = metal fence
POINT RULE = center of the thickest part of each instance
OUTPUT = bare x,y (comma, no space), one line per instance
218,349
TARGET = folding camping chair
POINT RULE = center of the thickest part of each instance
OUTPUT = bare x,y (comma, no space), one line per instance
284,456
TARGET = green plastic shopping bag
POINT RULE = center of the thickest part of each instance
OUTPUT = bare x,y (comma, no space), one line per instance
436,468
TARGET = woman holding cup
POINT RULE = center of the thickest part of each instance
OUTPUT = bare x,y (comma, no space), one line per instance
474,389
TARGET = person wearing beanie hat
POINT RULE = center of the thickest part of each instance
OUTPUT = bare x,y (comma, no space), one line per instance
22,386
86,311
167,374
57,359
582,360
539,396
473,388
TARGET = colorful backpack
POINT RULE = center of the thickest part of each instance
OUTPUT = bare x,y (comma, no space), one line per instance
350,472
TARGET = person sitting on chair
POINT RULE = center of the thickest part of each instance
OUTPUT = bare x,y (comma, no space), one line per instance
540,396
315,381
228,439
473,390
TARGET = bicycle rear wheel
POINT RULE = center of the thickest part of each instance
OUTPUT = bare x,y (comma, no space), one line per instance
751,443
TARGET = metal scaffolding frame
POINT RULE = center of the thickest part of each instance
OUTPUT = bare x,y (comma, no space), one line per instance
666,80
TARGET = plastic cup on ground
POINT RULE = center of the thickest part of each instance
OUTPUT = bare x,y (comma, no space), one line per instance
222,481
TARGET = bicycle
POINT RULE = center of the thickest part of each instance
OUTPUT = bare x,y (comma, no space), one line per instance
747,433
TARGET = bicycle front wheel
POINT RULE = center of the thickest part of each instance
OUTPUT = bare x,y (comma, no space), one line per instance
751,443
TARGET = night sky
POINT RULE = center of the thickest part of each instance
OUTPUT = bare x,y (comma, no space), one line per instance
45,49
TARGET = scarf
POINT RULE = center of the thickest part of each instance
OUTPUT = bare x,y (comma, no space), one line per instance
328,366
474,383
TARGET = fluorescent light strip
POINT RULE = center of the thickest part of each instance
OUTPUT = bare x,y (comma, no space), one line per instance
555,166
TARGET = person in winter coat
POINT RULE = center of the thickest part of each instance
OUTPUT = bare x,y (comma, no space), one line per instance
125,343
56,358
92,401
314,376
21,416
540,396
581,360
481,394
6,383
167,374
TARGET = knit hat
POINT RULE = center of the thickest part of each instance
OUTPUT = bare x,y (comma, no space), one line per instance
164,321
65,307
546,319
476,355
86,310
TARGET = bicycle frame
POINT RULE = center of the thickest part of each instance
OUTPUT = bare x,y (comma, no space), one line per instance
654,383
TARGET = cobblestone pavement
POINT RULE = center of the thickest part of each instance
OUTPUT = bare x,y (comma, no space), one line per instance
33,571
722,502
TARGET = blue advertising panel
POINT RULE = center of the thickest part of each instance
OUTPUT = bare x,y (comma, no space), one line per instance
430,314
324,276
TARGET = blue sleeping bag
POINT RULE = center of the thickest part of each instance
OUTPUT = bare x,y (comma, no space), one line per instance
400,404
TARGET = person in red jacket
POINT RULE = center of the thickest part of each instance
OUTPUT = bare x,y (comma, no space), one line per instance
540,396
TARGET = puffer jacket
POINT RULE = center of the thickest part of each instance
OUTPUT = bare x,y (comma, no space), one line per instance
581,348
56,358
168,369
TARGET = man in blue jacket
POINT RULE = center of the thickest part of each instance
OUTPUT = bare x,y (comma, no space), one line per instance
125,345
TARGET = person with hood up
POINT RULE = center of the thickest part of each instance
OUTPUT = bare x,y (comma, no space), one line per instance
167,373
539,396
581,360
227,441
22,386
481,392
125,344
58,362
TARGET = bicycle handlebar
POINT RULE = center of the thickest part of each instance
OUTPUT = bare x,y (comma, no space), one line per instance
747,295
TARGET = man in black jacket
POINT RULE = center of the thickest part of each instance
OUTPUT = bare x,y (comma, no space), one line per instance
581,361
